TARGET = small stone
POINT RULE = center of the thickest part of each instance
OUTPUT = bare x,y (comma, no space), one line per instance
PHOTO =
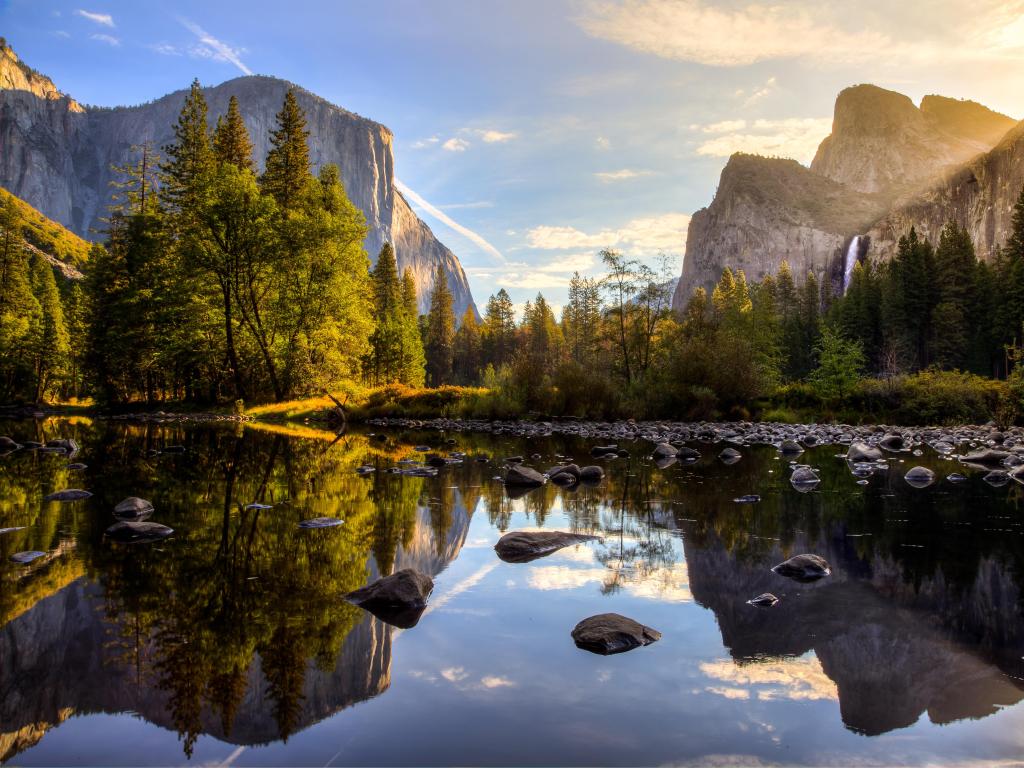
609,633
766,600
321,522
69,494
24,558
132,532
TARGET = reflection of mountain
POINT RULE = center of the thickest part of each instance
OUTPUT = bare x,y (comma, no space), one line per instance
59,659
894,651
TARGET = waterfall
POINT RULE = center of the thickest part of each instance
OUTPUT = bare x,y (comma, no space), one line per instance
850,261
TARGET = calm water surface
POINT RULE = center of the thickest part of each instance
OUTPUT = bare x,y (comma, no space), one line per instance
229,643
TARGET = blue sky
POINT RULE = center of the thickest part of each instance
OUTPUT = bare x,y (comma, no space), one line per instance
547,130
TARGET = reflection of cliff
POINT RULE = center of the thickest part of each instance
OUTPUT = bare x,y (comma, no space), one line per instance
893,651
61,658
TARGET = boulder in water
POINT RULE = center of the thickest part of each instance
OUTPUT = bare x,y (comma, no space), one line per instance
591,475
133,508
730,456
919,477
609,633
863,452
687,454
524,477
24,558
69,494
892,442
986,458
7,444
766,600
664,451
804,479
135,532
398,599
321,522
790,448
524,546
804,568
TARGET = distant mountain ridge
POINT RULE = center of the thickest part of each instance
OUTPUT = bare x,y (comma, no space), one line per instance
58,155
887,165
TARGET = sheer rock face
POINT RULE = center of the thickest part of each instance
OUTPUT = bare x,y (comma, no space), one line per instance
770,210
57,157
881,142
888,165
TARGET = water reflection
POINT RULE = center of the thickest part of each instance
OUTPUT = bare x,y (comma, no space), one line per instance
235,626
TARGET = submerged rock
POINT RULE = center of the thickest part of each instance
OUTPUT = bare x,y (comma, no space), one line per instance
77,466
11,530
133,532
687,454
69,494
591,475
24,558
398,599
863,452
730,456
321,522
956,477
750,498
766,600
986,458
804,568
997,478
524,546
609,633
919,477
259,507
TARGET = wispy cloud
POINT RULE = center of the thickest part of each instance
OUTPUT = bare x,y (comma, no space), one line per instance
61,33
621,175
448,221
166,49
103,19
797,138
455,145
602,143
211,48
495,137
474,204
646,235
108,39
709,33
422,143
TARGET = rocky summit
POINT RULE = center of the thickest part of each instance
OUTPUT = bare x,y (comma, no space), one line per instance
58,157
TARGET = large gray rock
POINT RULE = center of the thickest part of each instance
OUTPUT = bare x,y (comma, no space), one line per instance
863,452
58,156
398,599
519,476
804,568
525,546
133,508
609,633
134,532
919,477
986,458
68,494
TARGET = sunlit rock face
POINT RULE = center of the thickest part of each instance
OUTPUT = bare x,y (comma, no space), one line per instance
770,210
881,142
887,165
58,155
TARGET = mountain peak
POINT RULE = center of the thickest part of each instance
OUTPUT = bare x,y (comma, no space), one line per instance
16,75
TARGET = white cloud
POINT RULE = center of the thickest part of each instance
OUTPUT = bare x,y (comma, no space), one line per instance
797,138
454,674
621,175
798,679
455,145
211,48
495,137
449,221
650,234
422,143
760,93
707,33
108,39
493,681
602,143
103,19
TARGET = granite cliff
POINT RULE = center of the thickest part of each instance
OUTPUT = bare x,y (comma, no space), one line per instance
57,156
887,165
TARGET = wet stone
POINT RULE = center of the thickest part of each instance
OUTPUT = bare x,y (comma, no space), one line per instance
127,532
805,567
609,633
321,522
525,546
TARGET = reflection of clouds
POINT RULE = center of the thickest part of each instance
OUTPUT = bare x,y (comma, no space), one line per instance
670,584
799,679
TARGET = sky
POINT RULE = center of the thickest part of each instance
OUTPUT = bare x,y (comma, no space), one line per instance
531,134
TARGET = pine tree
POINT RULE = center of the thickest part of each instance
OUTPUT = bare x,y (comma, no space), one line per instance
287,166
231,143
189,157
413,357
499,329
440,332
955,264
384,364
467,350
50,346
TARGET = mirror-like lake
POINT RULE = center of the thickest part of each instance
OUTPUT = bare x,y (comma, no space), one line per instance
229,642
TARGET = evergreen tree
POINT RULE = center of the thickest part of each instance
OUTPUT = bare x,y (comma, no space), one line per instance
231,143
840,365
467,349
954,312
385,364
499,329
287,166
189,158
440,332
49,345
413,357
581,319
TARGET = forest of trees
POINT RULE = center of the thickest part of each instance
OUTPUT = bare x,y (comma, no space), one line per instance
218,284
